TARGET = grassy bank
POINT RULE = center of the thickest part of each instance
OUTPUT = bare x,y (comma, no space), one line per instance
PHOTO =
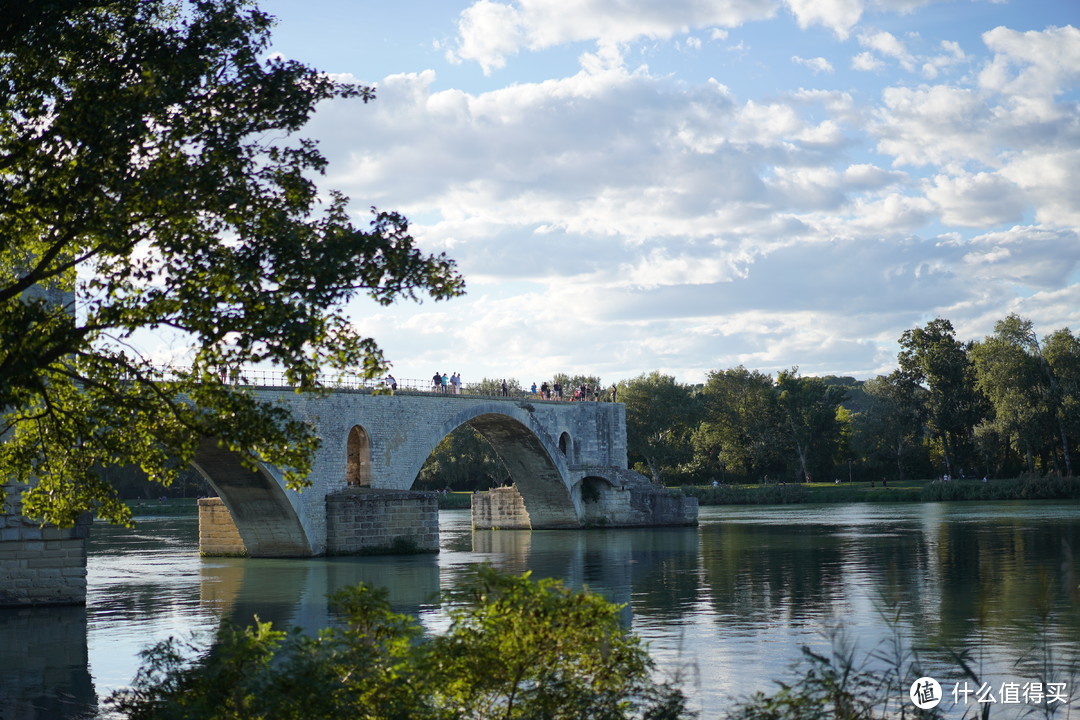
170,507
455,501
906,491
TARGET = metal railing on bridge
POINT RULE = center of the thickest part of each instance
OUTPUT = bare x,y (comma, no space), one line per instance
261,377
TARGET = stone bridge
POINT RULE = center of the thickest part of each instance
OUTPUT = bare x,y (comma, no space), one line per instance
567,461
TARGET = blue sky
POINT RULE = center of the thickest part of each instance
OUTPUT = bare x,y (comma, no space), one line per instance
685,186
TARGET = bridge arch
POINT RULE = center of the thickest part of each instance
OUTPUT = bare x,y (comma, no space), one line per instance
538,468
358,458
265,514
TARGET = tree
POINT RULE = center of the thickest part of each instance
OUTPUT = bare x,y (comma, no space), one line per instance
933,357
1008,373
660,414
148,168
740,428
1061,349
891,426
493,386
809,408
514,649
1028,388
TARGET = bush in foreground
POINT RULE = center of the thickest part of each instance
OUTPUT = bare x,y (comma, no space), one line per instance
514,649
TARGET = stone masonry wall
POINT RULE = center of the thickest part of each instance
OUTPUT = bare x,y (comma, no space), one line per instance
404,428
218,535
501,508
367,521
40,565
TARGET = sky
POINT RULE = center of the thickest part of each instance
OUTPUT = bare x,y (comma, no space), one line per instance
686,186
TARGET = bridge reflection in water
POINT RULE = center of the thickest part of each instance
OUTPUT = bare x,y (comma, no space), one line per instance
734,599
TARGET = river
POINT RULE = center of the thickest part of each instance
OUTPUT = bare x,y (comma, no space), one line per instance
726,606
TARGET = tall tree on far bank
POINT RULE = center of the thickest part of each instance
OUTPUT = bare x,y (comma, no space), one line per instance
809,409
1008,373
660,414
890,429
1061,350
740,430
934,358
148,168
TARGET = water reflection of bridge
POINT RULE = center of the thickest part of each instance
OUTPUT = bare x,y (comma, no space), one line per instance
44,660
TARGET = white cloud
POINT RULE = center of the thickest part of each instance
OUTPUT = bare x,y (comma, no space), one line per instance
817,64
935,124
977,200
887,44
1033,63
840,16
1033,256
1052,177
866,62
490,31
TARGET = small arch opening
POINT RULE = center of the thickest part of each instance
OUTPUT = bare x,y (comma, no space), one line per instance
358,462
566,446
593,489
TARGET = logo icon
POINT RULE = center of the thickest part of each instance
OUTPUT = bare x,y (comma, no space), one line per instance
926,693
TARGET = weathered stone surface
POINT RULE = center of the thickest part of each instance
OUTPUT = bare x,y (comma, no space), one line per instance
500,508
41,565
218,535
365,521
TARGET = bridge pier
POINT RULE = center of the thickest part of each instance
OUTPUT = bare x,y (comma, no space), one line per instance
362,521
359,521
609,497
40,564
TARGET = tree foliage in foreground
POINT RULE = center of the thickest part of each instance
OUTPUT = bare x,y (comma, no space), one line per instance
514,649
149,168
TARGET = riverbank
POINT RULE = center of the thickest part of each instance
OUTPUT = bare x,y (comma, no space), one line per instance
773,494
905,491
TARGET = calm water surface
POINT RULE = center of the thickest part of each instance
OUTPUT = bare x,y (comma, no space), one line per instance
728,604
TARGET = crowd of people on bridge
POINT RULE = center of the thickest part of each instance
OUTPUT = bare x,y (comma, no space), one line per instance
582,393
452,384
449,384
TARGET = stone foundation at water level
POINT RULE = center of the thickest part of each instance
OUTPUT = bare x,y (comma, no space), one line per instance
359,521
362,521
218,536
40,565
629,504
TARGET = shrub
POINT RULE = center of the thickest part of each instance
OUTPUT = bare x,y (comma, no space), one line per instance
514,649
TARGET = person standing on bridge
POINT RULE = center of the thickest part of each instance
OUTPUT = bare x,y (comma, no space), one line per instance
455,384
505,389
436,381
445,383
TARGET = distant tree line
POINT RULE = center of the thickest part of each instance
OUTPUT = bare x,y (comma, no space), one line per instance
1005,406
